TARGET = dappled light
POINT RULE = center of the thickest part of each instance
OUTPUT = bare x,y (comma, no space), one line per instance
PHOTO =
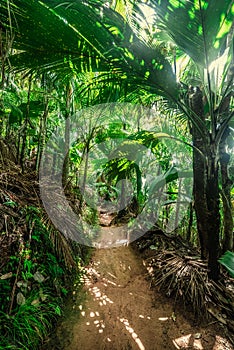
110,237
100,281
132,332
120,310
102,298
116,175
163,319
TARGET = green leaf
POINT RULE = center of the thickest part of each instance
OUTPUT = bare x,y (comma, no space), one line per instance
58,310
11,204
37,24
198,27
92,37
227,260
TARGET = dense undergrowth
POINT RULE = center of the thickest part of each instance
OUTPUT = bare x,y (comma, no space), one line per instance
37,264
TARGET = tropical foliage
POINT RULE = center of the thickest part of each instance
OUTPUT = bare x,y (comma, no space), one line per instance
172,56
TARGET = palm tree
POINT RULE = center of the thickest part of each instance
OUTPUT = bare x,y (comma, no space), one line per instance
201,31
93,37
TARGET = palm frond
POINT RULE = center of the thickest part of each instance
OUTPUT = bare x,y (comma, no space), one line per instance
198,27
186,278
84,37
43,36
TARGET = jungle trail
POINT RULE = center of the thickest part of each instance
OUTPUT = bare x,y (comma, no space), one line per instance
152,294
170,63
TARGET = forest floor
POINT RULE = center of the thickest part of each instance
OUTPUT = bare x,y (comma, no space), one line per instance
116,309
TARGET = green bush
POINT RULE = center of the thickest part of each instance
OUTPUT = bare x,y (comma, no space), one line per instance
33,283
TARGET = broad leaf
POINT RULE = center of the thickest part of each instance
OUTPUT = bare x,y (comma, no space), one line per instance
227,260
199,27
80,37
47,38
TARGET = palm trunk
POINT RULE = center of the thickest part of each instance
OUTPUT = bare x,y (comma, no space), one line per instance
200,174
190,223
2,55
122,204
213,218
86,155
66,164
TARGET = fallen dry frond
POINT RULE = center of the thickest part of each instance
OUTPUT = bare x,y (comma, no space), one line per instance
186,278
176,268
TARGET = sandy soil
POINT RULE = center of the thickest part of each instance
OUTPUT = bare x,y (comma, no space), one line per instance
117,310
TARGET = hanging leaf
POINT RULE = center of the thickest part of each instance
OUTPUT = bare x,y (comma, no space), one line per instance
92,37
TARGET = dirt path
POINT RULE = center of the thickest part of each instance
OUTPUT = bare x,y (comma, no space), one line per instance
117,310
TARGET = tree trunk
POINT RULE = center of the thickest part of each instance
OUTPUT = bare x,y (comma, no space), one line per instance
86,157
199,173
5,44
213,218
66,163
67,158
190,223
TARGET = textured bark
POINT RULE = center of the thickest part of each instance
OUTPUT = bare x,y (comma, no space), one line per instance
199,173
213,217
206,189
190,223
213,222
2,55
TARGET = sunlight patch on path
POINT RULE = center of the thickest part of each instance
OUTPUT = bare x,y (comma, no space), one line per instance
132,332
110,237
121,312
